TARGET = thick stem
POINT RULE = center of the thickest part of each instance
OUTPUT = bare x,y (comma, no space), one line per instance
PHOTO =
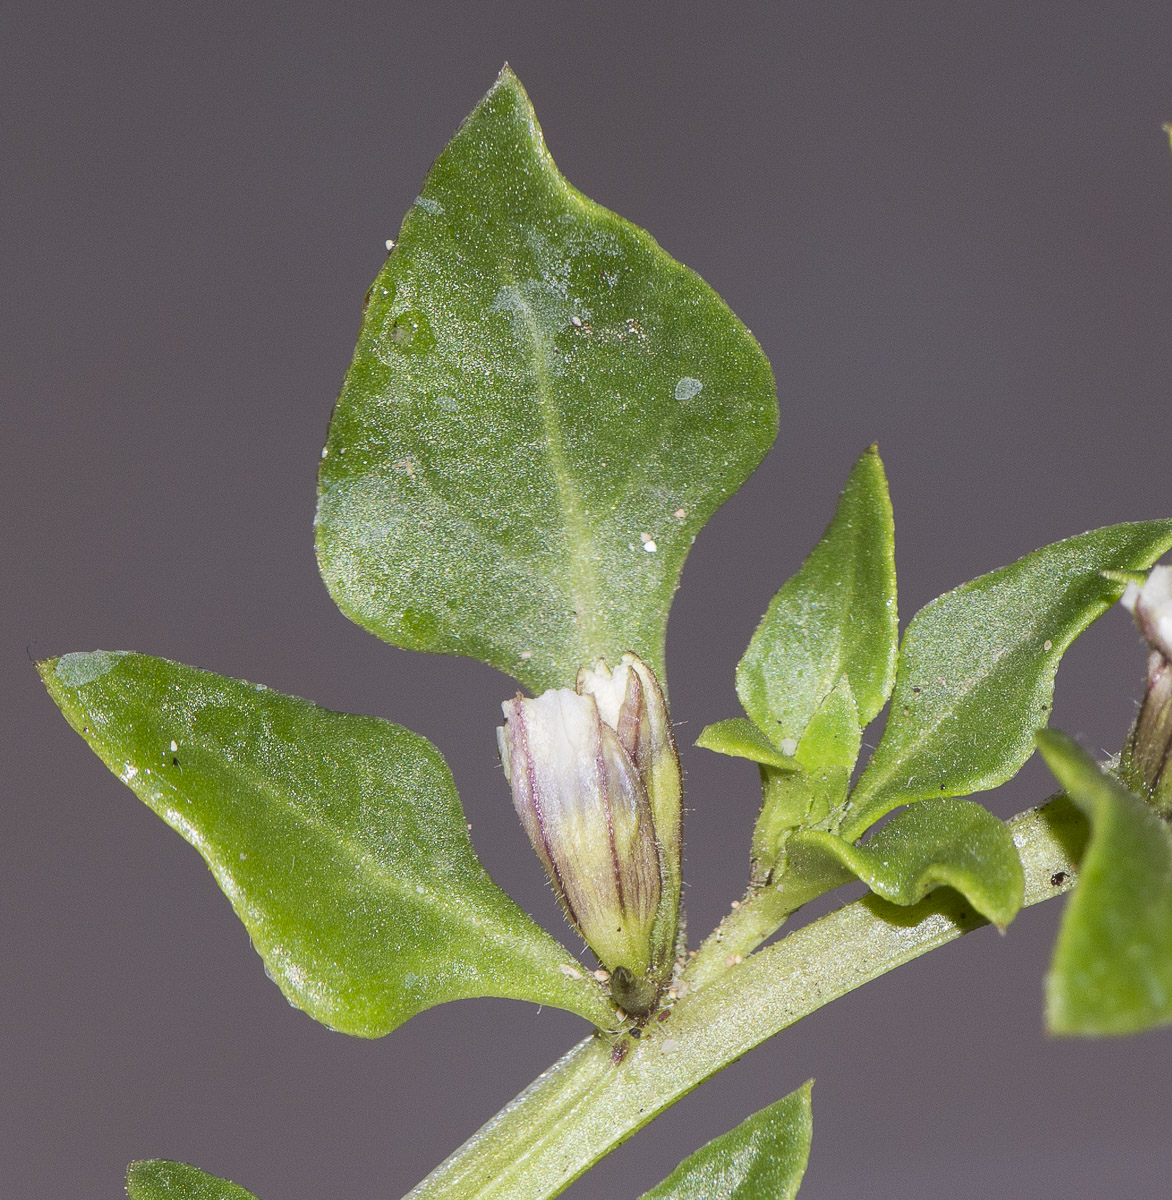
589,1103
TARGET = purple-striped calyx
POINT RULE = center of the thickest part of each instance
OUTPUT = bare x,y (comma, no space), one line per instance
596,782
1146,761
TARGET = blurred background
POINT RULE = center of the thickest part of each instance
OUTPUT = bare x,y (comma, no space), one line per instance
950,226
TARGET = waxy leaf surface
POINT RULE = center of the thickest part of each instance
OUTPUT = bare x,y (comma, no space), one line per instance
339,840
977,666
543,409
834,620
1112,967
158,1179
763,1158
953,843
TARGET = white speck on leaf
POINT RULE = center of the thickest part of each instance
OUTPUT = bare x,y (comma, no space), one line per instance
789,746
174,745
688,388
648,543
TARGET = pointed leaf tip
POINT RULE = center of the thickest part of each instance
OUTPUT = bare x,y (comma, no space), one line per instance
832,622
339,839
160,1179
740,738
543,410
763,1158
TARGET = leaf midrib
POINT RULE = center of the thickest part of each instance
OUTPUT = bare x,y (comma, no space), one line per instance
958,696
585,592
368,865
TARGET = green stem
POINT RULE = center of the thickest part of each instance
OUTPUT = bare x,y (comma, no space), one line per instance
587,1104
757,917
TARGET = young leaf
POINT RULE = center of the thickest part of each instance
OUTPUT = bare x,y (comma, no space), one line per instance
543,410
1112,967
816,783
791,800
158,1179
763,1158
953,843
742,739
825,757
833,734
339,840
835,619
977,666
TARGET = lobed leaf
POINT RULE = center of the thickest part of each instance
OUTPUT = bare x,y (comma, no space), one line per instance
158,1179
950,843
1112,965
763,1158
339,840
977,665
834,621
542,411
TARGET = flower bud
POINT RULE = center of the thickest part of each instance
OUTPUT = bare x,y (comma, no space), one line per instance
1144,763
595,780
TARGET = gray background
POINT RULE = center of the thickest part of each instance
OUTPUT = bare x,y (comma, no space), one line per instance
950,225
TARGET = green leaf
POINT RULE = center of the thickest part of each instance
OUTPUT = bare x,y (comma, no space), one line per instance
834,734
791,800
834,620
814,786
543,410
825,756
1112,967
742,739
339,840
952,843
763,1158
977,666
158,1179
